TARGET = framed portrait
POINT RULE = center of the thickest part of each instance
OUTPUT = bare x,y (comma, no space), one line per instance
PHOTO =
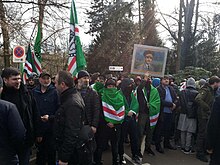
149,59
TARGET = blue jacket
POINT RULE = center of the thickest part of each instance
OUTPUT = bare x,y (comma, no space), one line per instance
12,133
47,104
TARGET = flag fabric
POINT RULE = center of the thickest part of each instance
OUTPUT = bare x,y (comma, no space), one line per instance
37,53
134,105
28,66
153,104
113,105
76,60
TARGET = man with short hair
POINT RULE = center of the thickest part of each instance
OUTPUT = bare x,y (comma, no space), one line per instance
47,103
12,132
168,104
148,59
205,100
68,119
15,92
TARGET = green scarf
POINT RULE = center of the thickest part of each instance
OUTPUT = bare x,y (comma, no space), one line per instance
153,104
113,105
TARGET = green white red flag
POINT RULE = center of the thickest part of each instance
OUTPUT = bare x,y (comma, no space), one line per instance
76,60
37,53
113,105
28,66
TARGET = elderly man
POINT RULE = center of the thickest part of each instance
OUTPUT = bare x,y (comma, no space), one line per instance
91,99
47,104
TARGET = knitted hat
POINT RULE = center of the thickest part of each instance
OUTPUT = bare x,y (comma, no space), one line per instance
202,82
1,82
82,73
191,82
110,81
156,82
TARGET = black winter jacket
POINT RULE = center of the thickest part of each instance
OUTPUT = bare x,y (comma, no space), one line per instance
27,108
162,93
68,122
12,133
187,101
92,107
213,131
47,104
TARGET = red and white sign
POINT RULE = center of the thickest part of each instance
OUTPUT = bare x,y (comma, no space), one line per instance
19,54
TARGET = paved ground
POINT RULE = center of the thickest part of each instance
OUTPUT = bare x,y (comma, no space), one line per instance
170,157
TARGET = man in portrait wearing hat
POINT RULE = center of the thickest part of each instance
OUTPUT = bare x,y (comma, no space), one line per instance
47,100
148,59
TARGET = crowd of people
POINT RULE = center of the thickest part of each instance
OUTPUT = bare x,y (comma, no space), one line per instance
72,120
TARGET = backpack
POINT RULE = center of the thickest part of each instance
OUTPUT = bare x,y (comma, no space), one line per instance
191,106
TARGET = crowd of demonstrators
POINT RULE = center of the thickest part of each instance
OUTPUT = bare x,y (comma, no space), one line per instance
71,121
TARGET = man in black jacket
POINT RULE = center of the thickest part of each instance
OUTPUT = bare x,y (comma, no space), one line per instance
15,92
168,104
68,119
47,104
213,133
91,100
12,131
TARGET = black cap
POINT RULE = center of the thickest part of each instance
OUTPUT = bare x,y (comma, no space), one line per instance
82,73
44,74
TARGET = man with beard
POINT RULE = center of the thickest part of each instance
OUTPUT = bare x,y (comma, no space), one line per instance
15,92
204,100
91,100
47,103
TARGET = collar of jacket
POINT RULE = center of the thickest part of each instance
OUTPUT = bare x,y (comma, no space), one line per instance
65,94
38,88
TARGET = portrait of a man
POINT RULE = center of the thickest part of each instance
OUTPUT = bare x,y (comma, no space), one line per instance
149,59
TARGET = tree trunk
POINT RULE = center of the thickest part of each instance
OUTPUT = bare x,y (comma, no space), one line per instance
179,41
187,36
5,33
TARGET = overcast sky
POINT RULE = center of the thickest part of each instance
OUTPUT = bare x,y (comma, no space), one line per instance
164,6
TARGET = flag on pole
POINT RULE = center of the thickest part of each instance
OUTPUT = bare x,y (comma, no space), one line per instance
28,66
37,53
76,60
